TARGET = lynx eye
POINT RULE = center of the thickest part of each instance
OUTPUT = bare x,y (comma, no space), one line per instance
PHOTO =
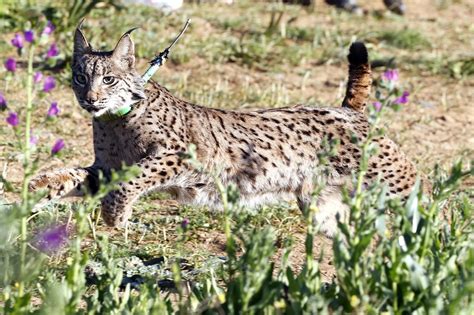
108,80
80,79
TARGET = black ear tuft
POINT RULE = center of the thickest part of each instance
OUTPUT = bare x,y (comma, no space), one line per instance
81,46
358,54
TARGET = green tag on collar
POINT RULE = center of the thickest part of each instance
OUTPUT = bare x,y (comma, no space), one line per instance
119,113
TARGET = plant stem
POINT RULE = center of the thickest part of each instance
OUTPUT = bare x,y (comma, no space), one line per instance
230,243
26,167
29,107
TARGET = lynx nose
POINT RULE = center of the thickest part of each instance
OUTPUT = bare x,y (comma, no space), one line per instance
91,97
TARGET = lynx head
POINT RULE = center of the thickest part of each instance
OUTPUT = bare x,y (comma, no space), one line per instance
105,81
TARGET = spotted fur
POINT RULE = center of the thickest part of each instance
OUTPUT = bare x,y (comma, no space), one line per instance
269,155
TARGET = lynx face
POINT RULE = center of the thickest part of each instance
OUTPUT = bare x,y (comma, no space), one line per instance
105,81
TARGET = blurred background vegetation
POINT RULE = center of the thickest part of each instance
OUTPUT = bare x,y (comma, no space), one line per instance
260,34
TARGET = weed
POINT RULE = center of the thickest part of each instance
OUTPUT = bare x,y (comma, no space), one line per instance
404,38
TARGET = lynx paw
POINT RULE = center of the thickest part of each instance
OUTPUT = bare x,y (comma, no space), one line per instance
115,210
58,184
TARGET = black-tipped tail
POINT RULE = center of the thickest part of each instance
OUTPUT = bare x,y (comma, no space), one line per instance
358,54
360,78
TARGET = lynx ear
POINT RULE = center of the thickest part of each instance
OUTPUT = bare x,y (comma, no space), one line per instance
81,46
124,52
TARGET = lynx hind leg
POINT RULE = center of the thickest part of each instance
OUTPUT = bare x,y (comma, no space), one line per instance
393,168
330,207
61,183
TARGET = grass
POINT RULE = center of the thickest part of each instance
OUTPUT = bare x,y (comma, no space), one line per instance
233,57
405,39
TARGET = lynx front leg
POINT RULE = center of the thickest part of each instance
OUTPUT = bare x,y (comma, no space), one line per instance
66,182
158,172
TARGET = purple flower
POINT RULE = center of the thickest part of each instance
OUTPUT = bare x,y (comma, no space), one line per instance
12,119
185,223
377,106
391,75
52,239
49,84
10,64
58,146
33,139
37,77
402,99
53,110
49,28
29,36
3,102
17,41
52,51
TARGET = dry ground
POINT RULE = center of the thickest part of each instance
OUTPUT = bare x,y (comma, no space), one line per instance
436,127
